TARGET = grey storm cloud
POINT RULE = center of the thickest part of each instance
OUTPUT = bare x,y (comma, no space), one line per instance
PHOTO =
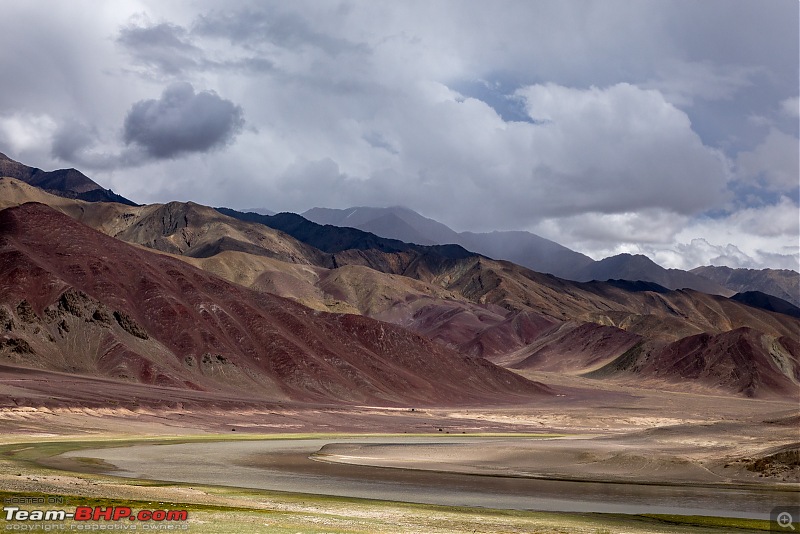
182,121
70,139
651,123
284,29
167,49
165,46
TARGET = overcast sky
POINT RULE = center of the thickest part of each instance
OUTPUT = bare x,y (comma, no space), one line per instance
668,127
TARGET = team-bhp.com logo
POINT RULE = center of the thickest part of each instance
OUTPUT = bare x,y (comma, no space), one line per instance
88,514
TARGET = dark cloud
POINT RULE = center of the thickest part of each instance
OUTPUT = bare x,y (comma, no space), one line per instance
283,29
182,121
71,139
79,144
165,47
170,49
254,38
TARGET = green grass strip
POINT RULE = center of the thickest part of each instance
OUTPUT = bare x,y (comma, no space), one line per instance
717,522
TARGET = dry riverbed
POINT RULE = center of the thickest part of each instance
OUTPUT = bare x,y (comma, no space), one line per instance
623,435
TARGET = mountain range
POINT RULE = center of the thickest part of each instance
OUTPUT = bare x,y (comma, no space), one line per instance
74,299
522,248
190,297
781,283
542,255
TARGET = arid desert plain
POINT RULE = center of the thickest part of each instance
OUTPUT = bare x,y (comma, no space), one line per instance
598,458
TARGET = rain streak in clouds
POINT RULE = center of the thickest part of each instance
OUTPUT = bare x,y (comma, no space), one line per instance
656,127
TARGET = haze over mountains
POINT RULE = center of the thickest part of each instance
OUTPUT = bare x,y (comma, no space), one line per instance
523,248
543,255
782,283
433,317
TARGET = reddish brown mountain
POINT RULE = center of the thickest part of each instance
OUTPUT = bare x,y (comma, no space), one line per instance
479,329
504,312
573,348
73,299
742,360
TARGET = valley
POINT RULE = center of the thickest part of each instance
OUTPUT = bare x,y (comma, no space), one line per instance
364,371
677,460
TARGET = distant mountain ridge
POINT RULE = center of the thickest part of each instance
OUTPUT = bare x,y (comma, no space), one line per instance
260,211
408,227
761,300
781,283
523,248
639,267
68,183
334,239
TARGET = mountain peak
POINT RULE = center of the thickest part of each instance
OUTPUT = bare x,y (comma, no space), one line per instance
405,224
67,183
781,283
637,267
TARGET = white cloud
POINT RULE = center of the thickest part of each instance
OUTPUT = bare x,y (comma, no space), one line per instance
612,150
778,220
767,236
791,107
618,149
599,231
700,252
758,237
25,132
684,82
775,163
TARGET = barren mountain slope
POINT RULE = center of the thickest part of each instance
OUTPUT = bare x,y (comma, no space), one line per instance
782,283
757,299
639,267
572,348
612,303
522,248
74,299
187,229
68,183
373,292
743,360
190,229
480,306
197,231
